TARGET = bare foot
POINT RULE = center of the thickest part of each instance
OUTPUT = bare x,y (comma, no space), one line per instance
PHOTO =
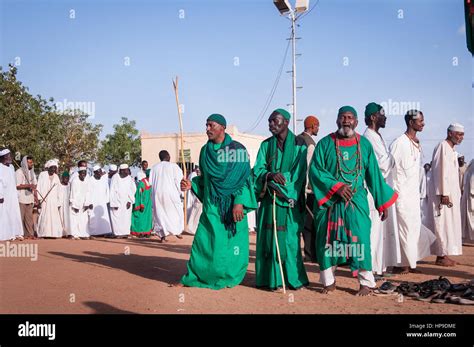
445,261
329,289
415,271
364,291
179,237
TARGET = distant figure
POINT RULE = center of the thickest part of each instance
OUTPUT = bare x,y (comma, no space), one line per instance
49,222
467,204
65,192
122,197
99,222
444,198
425,177
165,179
27,196
142,217
145,169
311,128
462,170
194,205
79,204
11,227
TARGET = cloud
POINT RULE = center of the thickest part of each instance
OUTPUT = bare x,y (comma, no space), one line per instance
462,29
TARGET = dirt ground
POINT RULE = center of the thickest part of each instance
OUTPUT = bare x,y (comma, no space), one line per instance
132,276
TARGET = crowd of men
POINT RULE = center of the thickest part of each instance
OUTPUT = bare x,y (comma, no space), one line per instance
352,199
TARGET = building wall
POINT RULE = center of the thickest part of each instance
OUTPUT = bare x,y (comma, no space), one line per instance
152,144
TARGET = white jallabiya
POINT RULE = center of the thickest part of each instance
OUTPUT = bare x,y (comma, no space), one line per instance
49,191
443,220
122,192
165,179
384,239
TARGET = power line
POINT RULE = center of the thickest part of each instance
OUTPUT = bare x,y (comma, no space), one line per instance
272,92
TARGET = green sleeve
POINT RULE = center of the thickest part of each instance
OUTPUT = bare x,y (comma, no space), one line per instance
260,168
323,182
197,185
247,197
295,179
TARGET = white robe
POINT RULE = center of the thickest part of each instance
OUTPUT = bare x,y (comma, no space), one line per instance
165,179
79,198
122,190
444,221
384,240
467,203
99,222
194,209
64,212
49,222
415,239
425,178
10,217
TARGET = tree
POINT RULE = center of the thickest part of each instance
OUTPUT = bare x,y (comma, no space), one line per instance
123,146
33,126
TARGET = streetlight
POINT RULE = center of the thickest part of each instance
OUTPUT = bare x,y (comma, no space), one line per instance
284,7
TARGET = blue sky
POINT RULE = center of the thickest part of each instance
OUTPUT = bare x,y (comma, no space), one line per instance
394,52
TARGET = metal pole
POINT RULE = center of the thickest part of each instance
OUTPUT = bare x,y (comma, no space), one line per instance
293,41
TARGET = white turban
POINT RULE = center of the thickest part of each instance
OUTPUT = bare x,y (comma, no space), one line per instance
50,163
123,166
96,167
82,168
456,127
112,167
4,152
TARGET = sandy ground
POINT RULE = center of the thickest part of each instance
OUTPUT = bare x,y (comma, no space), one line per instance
132,276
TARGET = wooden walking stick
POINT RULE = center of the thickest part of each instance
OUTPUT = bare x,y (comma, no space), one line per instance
276,242
175,86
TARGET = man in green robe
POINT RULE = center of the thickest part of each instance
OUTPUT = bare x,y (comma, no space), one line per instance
142,217
280,168
342,161
220,251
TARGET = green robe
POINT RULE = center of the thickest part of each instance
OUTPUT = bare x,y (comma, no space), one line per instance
218,258
142,221
289,214
343,229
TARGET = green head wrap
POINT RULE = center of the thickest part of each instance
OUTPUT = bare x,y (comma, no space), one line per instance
372,108
65,174
284,113
345,109
218,118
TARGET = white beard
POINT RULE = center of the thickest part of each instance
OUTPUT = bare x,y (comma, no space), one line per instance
346,133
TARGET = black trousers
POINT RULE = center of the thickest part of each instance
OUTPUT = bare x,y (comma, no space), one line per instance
309,232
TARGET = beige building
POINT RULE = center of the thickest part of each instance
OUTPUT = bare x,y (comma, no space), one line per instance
152,144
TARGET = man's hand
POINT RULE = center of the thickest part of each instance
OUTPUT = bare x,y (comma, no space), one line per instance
129,204
384,215
1,201
85,208
115,208
277,178
185,185
238,212
76,210
91,207
345,192
444,200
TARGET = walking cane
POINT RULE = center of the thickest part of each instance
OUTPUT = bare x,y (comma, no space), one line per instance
276,242
175,85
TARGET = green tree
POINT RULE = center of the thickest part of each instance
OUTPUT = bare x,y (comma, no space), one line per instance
33,126
123,146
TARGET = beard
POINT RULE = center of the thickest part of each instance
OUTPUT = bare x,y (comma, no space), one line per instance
346,131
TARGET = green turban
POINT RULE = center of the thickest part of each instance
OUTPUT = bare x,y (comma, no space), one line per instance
372,108
218,118
65,174
284,113
345,109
